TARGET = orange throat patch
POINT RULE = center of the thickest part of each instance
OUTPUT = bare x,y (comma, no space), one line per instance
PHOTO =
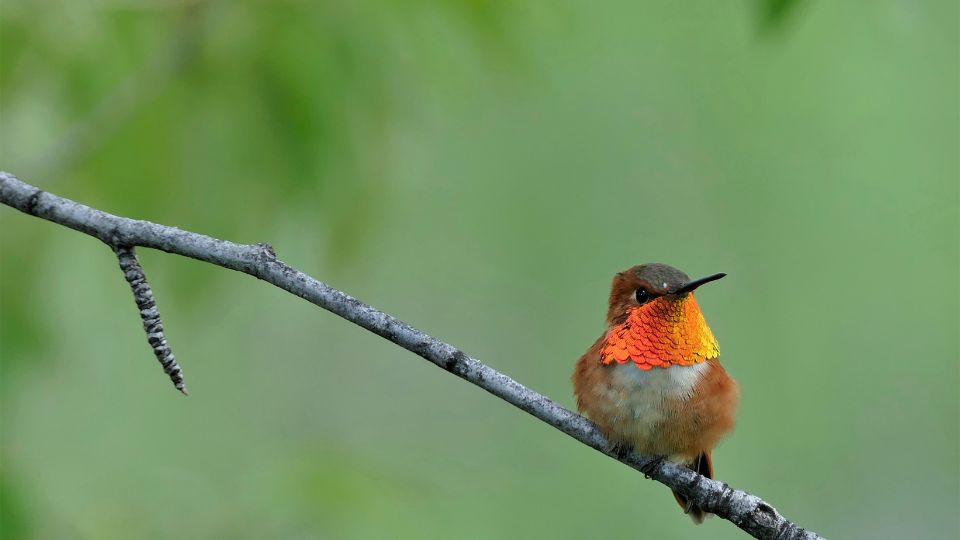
661,333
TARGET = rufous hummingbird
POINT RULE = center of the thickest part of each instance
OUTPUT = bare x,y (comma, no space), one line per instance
653,381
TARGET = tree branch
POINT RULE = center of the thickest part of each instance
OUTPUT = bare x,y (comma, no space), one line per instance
149,314
750,513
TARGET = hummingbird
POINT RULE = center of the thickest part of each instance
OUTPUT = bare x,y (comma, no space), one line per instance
653,381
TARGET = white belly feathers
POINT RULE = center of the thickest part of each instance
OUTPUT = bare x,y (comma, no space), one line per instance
635,397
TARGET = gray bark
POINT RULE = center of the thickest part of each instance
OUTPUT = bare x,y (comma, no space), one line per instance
150,315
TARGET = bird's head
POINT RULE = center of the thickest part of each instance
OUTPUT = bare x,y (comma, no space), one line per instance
655,321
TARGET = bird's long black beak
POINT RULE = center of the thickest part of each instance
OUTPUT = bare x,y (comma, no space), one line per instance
691,285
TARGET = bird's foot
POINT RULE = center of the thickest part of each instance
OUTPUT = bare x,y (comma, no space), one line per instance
651,465
622,450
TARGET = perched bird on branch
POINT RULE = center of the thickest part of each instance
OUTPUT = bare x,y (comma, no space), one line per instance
653,381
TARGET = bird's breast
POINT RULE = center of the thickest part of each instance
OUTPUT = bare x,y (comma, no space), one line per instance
673,382
635,404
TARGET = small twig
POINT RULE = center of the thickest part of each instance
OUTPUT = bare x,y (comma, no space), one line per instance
152,325
749,512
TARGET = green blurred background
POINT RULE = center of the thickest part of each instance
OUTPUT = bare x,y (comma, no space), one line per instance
480,169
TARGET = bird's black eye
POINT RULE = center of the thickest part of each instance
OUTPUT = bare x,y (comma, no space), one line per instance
643,296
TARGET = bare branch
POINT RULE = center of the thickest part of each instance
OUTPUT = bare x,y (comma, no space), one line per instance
152,325
746,511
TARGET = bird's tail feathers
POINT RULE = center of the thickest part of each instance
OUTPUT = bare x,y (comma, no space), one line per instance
704,465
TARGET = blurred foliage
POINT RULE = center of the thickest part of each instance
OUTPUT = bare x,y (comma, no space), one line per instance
480,169
775,13
13,516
